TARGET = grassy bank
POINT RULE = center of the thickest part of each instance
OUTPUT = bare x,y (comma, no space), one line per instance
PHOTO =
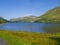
29,38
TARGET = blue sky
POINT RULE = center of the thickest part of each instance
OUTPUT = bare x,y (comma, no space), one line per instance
19,8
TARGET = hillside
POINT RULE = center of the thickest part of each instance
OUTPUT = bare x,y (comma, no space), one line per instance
24,19
51,16
2,20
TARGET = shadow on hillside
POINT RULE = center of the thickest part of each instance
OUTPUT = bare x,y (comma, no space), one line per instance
57,39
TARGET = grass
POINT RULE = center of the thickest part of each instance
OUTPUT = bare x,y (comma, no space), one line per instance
29,38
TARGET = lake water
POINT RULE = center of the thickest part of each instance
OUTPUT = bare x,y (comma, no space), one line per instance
26,26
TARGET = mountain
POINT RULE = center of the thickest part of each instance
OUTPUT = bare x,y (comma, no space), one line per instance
2,20
24,19
51,16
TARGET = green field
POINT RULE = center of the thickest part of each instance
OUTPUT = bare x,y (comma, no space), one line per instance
30,38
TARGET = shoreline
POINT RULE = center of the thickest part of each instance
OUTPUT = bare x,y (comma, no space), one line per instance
2,23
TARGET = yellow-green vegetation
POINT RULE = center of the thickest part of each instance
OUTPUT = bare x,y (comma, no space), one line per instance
30,38
51,16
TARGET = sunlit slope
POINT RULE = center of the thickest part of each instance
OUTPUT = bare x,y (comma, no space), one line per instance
29,38
51,16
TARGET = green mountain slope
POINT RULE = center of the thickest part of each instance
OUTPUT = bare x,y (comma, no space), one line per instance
24,19
2,20
51,16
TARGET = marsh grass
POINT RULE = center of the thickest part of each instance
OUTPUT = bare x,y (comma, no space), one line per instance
29,38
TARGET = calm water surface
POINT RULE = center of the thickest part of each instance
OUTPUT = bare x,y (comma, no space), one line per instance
26,26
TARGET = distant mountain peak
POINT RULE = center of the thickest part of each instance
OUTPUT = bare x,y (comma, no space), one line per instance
24,19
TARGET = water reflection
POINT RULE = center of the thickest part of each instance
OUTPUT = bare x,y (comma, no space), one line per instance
31,27
52,28
23,26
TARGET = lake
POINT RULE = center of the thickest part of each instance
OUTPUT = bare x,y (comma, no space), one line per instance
28,26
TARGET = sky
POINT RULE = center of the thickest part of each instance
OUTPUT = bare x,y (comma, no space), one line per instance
20,8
